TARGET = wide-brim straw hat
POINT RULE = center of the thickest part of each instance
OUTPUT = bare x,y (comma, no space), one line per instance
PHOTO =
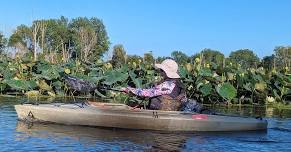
170,67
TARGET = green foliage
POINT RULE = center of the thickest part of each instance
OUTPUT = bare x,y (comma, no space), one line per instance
22,35
282,56
21,84
119,56
206,89
148,58
118,75
133,61
61,36
210,56
180,57
57,34
268,62
3,42
226,91
202,82
90,25
246,58
66,47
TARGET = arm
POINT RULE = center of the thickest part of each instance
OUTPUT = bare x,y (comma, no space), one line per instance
161,89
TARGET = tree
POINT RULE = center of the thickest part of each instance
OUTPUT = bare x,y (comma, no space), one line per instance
148,58
95,30
87,42
3,42
22,35
210,56
119,56
180,57
58,38
268,62
43,27
161,59
283,55
35,29
134,60
21,40
245,57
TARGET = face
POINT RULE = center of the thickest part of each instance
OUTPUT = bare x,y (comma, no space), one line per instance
163,74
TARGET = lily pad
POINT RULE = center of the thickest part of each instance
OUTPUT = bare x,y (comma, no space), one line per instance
137,81
49,72
21,84
226,91
206,89
115,76
205,72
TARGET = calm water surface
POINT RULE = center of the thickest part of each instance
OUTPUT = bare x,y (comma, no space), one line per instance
17,136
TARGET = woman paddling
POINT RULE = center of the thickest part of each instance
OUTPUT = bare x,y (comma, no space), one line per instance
169,94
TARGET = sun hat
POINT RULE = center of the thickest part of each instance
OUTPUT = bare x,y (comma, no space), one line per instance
170,67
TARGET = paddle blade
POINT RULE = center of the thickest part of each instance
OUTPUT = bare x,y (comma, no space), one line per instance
79,84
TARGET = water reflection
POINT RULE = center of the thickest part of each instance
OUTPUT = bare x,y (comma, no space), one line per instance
254,111
18,136
103,137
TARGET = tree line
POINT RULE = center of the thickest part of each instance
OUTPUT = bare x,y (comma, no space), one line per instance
58,39
86,39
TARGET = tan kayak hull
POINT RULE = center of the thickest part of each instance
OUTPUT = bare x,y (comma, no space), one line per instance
123,117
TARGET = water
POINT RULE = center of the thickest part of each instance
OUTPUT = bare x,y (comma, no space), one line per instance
17,136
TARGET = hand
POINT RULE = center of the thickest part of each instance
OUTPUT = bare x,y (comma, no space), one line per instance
125,89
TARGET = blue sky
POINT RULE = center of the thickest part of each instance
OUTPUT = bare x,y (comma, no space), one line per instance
162,26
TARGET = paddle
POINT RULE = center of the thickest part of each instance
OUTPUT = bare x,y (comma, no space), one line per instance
85,86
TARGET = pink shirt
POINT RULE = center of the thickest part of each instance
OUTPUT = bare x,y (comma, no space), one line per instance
161,89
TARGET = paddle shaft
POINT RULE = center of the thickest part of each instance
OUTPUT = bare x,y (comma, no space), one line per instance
112,89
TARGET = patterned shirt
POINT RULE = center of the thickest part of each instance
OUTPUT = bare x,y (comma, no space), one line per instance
161,89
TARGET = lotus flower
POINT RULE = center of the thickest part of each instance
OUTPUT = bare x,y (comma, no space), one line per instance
270,99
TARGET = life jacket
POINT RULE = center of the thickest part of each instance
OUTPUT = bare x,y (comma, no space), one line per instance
169,102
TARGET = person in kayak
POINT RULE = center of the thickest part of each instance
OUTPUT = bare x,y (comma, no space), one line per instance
169,94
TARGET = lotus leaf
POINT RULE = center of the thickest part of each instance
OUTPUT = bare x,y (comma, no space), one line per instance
137,81
58,84
43,85
226,91
248,87
8,74
261,86
51,93
2,86
206,89
21,84
32,93
183,72
205,72
114,76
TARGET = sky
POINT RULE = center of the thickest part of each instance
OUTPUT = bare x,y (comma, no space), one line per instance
162,26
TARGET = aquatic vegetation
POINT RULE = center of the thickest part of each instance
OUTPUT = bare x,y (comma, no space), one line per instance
207,83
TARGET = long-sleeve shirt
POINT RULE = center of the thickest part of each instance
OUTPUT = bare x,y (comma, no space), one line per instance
161,89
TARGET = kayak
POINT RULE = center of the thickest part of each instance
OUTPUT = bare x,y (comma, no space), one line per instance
122,116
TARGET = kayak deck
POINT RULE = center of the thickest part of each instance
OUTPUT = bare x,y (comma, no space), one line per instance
123,116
